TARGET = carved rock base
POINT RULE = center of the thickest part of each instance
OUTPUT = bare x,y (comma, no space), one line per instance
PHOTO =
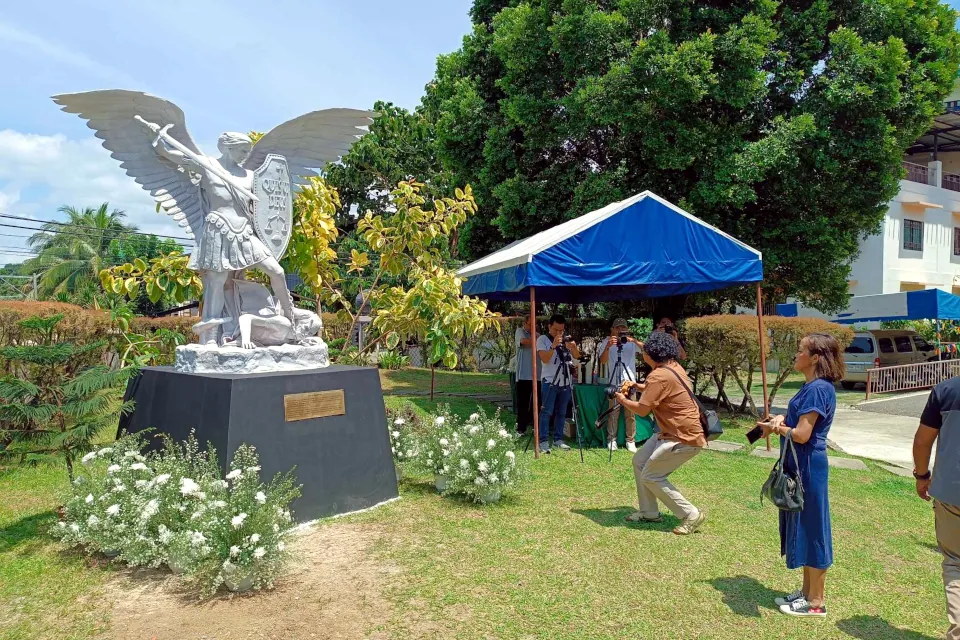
193,358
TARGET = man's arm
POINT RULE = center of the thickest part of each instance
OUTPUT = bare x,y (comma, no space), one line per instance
922,448
605,347
931,420
176,157
547,355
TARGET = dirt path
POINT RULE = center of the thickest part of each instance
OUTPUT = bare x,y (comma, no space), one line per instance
334,590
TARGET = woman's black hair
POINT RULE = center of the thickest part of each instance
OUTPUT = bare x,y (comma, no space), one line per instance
661,347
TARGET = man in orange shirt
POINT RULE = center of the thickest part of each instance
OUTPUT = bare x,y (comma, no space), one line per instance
680,436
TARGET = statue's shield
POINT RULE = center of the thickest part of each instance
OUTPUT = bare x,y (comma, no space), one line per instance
273,214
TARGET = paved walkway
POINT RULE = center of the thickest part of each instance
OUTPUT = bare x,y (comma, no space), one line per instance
909,404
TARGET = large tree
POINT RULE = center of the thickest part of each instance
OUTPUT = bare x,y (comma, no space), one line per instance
400,146
782,123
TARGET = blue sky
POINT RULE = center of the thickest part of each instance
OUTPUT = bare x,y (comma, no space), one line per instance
235,66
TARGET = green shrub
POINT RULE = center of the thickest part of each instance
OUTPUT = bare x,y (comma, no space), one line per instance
57,396
392,360
175,507
728,345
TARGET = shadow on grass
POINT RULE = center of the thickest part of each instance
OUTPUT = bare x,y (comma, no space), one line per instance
745,595
26,530
615,517
876,628
927,544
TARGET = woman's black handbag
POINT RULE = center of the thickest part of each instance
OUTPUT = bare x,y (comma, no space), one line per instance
783,489
712,429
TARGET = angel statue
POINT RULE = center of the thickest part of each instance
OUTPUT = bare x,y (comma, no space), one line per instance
238,207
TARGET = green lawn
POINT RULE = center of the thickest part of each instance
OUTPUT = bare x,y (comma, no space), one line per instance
555,560
407,380
44,592
786,391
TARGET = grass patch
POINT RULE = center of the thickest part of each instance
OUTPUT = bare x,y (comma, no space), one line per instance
407,380
556,560
787,390
44,591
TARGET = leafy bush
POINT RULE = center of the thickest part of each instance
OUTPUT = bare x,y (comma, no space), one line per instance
392,360
403,442
77,325
175,507
722,346
55,399
476,456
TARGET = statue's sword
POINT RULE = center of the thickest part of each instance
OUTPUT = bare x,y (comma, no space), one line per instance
212,168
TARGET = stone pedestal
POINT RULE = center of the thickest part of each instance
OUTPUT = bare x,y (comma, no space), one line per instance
194,358
343,461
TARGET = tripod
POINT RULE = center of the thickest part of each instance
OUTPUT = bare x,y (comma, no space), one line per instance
619,368
563,367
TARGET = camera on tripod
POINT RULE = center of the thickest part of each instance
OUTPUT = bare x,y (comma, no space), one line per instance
623,337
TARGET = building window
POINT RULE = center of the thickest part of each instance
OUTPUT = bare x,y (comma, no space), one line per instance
913,235
956,241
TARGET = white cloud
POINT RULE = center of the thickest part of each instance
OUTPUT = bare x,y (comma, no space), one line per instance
69,172
18,40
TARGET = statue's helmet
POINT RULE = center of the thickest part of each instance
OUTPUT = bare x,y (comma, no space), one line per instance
234,144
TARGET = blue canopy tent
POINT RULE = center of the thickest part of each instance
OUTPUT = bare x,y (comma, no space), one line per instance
641,247
929,304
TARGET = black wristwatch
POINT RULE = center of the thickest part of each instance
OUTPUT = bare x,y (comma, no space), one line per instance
925,476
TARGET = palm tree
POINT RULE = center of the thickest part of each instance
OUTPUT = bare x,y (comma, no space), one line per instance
72,253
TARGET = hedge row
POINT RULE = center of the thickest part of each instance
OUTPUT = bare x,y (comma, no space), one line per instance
721,347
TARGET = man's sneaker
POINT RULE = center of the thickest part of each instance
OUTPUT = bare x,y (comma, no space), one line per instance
796,595
637,516
612,445
544,447
803,609
560,444
690,525
632,447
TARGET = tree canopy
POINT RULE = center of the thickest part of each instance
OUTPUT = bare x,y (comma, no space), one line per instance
784,124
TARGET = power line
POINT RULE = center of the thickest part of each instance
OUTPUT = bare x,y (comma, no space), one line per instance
80,226
79,233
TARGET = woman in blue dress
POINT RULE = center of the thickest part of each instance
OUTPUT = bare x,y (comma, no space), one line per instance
805,537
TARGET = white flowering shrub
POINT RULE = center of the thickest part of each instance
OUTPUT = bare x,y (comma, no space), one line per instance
176,507
248,534
477,456
403,443
441,442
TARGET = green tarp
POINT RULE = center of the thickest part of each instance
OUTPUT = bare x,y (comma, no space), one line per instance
591,403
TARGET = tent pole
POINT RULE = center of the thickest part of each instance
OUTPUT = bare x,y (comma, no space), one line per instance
533,369
763,357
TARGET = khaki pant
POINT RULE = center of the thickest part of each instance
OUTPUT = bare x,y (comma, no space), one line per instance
613,421
948,537
656,460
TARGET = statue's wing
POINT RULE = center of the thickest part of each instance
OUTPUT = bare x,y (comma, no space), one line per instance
311,141
111,114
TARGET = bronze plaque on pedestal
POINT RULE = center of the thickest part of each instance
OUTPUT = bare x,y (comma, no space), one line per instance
317,404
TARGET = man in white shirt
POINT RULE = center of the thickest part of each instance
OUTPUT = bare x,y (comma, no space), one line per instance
557,387
610,352
522,347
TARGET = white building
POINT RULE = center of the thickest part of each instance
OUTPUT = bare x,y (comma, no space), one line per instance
919,244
